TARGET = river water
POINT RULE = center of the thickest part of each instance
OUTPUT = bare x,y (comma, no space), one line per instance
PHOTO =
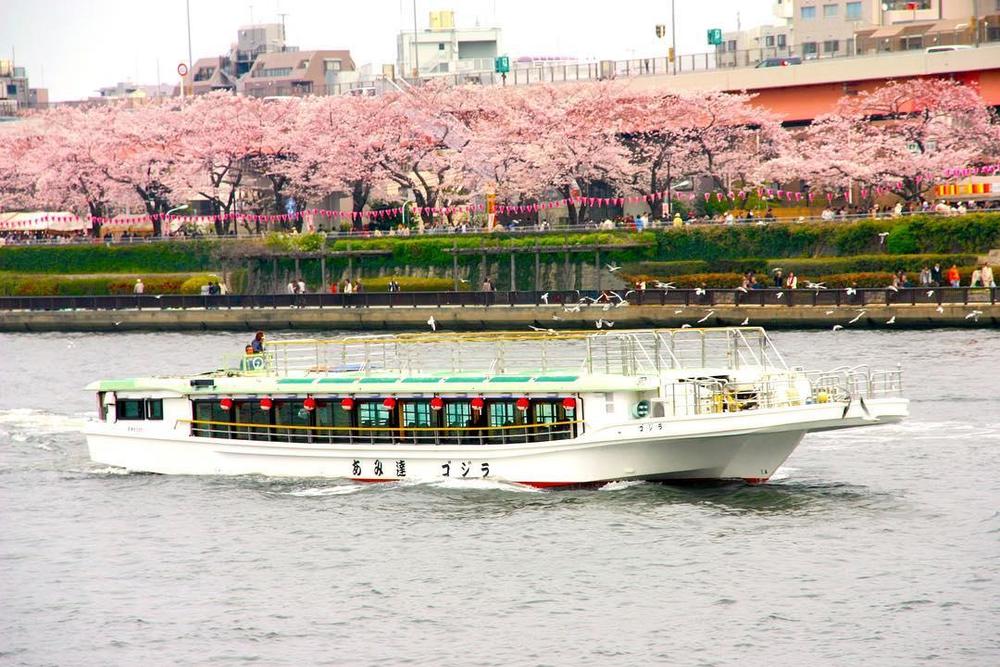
877,546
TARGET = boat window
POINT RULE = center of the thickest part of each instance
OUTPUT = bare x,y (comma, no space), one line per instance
546,412
291,413
250,412
154,408
329,413
129,409
457,414
210,411
504,413
372,414
417,414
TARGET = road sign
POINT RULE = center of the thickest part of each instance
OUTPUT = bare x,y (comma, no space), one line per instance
501,64
182,69
715,36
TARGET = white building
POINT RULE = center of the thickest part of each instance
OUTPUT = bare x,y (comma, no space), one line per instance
442,49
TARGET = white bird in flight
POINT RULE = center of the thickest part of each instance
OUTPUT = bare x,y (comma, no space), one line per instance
892,288
612,267
572,309
545,298
810,285
621,303
432,323
685,326
604,323
859,316
699,291
678,311
891,320
940,309
851,291
930,292
556,317
663,285
741,288
745,322
838,327
710,313
548,331
829,312
975,314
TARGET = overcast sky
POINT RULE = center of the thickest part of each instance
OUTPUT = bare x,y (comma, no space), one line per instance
74,47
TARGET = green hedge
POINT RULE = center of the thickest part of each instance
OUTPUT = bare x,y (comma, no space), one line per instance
867,263
45,285
714,244
164,257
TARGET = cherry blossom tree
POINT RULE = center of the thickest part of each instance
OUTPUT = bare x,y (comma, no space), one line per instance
903,135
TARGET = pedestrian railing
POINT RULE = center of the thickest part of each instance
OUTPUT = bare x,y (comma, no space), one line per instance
592,300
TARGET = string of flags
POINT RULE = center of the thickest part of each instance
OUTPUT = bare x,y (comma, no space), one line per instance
319,215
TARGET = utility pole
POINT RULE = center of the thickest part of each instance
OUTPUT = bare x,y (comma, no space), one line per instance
283,15
673,32
187,3
416,49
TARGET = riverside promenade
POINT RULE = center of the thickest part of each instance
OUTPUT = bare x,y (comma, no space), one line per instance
473,311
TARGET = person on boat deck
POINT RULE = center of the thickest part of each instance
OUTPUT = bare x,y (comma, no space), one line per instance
257,344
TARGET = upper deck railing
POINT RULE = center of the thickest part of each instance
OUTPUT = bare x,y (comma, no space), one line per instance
629,353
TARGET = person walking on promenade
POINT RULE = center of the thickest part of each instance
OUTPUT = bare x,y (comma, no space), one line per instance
792,282
986,274
925,277
937,278
953,276
139,288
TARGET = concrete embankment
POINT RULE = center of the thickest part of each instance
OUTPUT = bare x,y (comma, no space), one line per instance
451,318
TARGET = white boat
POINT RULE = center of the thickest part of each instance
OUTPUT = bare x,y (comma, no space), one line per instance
539,408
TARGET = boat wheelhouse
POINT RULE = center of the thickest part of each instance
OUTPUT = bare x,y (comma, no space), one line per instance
541,408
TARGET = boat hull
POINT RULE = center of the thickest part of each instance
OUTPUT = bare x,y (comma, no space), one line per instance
748,445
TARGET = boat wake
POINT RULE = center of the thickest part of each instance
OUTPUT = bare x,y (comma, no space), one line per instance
20,420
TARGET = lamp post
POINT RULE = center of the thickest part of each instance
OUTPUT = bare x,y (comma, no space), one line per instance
673,33
416,47
176,208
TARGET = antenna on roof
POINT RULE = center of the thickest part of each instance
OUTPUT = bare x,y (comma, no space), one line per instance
283,15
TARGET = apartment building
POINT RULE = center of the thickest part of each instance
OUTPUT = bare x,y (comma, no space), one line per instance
297,73
830,28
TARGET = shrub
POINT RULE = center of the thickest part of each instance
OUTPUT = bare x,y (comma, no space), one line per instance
865,263
42,285
901,240
407,284
194,284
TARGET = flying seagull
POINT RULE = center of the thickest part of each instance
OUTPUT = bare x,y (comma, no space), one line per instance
930,292
838,327
829,312
710,313
975,314
892,288
663,285
891,320
699,291
432,323
678,311
612,267
851,291
940,309
811,285
545,298
556,317
604,323
685,326
745,322
859,316
741,288
781,294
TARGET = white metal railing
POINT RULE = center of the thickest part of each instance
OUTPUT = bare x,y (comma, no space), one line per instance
633,352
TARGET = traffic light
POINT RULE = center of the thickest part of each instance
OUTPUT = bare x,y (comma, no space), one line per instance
661,30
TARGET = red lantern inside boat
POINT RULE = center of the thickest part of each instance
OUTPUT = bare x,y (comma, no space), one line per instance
477,403
437,403
309,403
389,403
569,404
226,403
266,403
522,403
347,404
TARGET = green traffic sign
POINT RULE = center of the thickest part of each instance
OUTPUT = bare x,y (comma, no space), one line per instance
714,36
501,64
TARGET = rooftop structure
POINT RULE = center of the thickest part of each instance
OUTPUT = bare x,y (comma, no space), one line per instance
15,93
443,49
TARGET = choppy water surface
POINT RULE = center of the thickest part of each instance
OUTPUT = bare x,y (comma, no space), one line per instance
875,546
